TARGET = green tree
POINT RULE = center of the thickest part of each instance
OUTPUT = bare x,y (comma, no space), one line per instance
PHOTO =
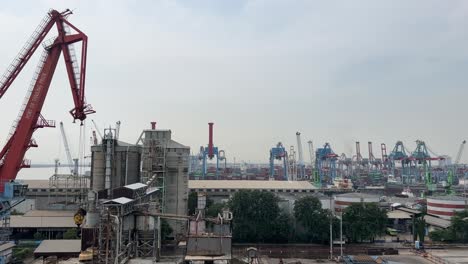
257,217
456,232
71,234
420,229
459,226
215,209
192,203
364,222
315,220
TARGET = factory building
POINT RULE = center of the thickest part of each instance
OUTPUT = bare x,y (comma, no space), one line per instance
344,200
287,191
114,164
166,162
446,206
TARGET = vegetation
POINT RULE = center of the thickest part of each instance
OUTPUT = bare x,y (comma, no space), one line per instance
192,203
257,218
315,220
71,234
456,232
214,209
364,222
21,253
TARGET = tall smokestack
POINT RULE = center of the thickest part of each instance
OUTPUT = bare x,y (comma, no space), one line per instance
153,125
210,141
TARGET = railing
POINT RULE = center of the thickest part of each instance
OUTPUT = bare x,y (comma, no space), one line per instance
23,52
39,67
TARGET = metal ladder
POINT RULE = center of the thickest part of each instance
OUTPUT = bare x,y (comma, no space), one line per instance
25,49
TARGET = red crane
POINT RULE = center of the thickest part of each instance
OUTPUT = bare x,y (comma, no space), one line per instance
30,118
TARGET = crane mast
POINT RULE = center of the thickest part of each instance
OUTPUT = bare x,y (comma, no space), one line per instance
67,149
301,165
30,118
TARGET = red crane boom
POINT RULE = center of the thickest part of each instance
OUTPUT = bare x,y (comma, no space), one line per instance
30,118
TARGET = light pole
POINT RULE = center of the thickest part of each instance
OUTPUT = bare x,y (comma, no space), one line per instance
341,233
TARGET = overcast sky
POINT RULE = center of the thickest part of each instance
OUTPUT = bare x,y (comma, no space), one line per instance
338,71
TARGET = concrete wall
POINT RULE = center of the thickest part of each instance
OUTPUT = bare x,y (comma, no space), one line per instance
125,166
176,181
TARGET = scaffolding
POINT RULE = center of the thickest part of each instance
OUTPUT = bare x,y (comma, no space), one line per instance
66,189
154,167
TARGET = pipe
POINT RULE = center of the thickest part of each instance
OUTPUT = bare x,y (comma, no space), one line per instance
210,141
153,125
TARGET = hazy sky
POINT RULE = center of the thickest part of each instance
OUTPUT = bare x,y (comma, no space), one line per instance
338,71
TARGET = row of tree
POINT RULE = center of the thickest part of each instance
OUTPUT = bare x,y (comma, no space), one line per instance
258,219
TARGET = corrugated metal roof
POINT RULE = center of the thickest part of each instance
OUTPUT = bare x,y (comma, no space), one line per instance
121,200
135,186
45,184
408,210
175,144
436,221
19,221
49,213
59,246
6,246
396,214
240,184
358,195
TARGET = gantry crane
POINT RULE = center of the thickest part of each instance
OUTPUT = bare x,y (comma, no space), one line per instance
279,153
30,118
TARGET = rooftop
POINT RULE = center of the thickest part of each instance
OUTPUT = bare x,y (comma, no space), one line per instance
49,213
121,200
59,246
397,214
257,185
357,195
19,221
436,221
448,198
135,186
6,246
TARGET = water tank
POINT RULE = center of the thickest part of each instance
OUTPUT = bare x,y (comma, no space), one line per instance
344,200
446,206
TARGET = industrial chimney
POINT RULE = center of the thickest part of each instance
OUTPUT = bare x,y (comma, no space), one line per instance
210,141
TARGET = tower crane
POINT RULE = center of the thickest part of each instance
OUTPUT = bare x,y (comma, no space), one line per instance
454,169
67,150
300,162
97,129
460,152
30,118
311,153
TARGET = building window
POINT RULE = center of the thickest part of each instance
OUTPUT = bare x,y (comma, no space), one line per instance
43,190
33,190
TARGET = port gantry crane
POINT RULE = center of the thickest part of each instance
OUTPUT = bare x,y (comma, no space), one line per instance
30,118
